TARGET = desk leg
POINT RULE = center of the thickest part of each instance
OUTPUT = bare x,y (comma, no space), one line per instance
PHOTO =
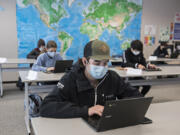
27,108
1,81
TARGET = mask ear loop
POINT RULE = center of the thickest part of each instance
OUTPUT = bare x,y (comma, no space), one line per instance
86,62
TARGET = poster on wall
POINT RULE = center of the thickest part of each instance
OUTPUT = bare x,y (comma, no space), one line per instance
149,30
149,40
177,18
73,23
177,31
164,33
171,31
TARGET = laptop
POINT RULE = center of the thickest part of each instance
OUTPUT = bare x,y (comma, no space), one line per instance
120,113
61,66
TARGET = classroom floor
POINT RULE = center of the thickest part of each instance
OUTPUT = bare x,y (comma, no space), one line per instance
12,106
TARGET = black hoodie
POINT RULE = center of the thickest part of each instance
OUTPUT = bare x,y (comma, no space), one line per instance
74,94
131,60
160,53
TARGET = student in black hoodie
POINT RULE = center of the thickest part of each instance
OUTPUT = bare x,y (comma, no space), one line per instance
176,53
161,51
84,90
133,57
38,50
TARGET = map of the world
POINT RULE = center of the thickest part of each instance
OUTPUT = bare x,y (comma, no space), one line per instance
72,23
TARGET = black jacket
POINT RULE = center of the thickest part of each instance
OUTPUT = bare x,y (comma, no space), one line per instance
131,60
74,94
34,54
160,53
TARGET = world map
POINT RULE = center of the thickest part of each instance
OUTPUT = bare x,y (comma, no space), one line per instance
73,23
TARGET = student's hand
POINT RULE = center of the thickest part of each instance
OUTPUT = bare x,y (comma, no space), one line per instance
141,66
167,56
151,66
50,69
97,109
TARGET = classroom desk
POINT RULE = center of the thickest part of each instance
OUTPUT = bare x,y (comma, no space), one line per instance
116,59
41,77
44,77
12,68
151,76
169,60
165,118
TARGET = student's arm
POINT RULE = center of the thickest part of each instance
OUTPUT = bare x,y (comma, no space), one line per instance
32,55
143,61
39,65
127,62
166,52
60,103
156,52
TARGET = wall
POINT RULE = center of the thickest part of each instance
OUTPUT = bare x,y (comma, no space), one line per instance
8,34
159,13
155,12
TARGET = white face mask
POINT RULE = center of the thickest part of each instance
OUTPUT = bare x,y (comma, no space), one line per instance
41,49
136,52
51,54
97,72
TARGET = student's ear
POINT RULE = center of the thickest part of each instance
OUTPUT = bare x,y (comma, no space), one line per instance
84,61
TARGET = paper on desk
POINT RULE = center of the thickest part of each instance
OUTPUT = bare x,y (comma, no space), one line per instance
132,71
152,57
3,60
32,75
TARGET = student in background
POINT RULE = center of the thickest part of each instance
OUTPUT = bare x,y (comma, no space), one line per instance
33,55
85,89
161,51
37,51
176,53
46,61
134,57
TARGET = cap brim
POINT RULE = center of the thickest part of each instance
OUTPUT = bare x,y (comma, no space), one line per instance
100,57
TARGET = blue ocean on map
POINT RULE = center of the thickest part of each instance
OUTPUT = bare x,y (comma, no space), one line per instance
30,28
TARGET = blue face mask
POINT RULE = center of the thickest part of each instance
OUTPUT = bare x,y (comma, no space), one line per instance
97,72
51,54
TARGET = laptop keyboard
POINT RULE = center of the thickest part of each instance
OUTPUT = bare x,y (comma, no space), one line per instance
152,69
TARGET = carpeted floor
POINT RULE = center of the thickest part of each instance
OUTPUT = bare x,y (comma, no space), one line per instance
12,106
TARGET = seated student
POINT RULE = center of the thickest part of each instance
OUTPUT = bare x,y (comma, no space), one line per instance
46,61
37,51
33,55
161,51
84,90
176,53
133,57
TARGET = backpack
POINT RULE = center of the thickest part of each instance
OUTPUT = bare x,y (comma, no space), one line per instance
20,84
34,105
